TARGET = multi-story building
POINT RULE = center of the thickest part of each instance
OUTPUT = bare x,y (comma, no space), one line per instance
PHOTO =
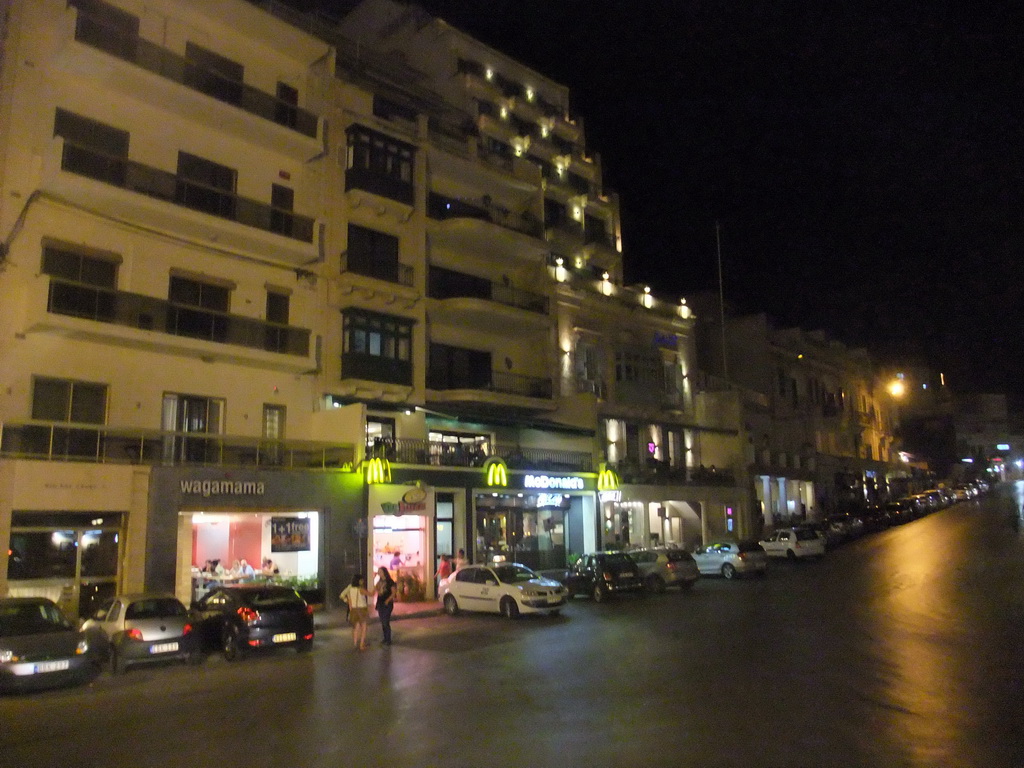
340,294
819,419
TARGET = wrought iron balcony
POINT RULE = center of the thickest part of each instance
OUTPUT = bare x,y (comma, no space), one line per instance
134,310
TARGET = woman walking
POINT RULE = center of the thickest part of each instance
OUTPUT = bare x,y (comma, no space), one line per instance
357,597
385,602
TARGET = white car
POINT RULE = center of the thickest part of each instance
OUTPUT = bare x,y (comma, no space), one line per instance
731,559
794,543
506,588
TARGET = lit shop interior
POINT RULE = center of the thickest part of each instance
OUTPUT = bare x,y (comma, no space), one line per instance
535,529
283,547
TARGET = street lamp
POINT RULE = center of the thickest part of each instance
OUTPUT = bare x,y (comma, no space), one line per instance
897,388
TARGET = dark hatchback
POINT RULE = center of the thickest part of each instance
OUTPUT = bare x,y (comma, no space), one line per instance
238,619
604,574
40,648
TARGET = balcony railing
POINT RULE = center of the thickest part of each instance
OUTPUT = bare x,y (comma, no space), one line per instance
163,185
442,287
134,310
501,381
425,452
95,32
395,272
109,445
442,208
654,472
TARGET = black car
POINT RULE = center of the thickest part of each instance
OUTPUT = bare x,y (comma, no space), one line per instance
40,648
603,574
247,617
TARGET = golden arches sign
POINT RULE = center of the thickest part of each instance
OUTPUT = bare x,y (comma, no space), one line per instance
497,472
377,470
607,480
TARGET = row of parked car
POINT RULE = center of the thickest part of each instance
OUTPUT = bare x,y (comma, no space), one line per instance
41,648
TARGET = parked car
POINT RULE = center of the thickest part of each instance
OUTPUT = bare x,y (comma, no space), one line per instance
731,559
506,588
40,648
663,568
794,543
245,617
876,517
901,511
142,628
603,574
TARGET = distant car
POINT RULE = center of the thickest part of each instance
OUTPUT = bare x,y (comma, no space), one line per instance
246,617
901,511
731,559
40,648
142,628
875,517
603,574
663,568
794,543
510,589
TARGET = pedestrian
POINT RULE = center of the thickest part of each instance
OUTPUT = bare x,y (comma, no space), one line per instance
444,570
385,602
460,560
357,597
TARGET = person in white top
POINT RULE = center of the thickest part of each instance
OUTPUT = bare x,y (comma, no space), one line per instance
357,598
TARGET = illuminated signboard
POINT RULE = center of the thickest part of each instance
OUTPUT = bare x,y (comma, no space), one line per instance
547,481
609,495
1003,447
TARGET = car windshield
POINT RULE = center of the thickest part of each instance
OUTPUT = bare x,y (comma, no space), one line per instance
155,608
675,555
31,619
273,598
805,534
617,558
510,574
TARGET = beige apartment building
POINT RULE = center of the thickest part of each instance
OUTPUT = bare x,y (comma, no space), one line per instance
270,293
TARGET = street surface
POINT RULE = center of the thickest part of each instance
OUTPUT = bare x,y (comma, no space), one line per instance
902,648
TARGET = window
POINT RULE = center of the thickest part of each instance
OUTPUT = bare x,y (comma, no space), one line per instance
71,401
639,366
213,74
286,111
277,307
92,148
273,421
458,368
106,27
198,294
390,110
379,164
376,347
191,414
210,321
78,276
79,268
372,253
206,186
282,202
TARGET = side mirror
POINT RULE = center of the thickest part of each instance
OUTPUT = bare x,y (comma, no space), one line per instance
491,583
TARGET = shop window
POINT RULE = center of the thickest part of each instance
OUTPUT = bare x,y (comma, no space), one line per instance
444,526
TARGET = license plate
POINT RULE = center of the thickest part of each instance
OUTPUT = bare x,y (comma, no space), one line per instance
628,574
163,648
52,666
285,637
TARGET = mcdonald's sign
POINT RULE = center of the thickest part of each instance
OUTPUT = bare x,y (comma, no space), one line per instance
377,470
497,472
607,480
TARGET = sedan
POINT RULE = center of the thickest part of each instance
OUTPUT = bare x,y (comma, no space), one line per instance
245,617
731,559
663,568
506,588
604,574
40,648
142,628
794,543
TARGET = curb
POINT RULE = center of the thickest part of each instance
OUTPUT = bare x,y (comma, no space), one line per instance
334,618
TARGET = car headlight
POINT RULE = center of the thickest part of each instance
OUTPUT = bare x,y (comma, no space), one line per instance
7,656
83,647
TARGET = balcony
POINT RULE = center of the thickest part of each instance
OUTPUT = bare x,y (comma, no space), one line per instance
463,298
427,453
655,472
505,236
143,70
501,392
355,365
126,190
110,445
396,272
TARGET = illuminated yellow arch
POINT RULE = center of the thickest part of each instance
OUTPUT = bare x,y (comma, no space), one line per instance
497,472
607,480
377,470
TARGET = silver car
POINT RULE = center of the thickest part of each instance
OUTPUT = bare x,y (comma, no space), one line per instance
663,568
141,628
731,559
40,648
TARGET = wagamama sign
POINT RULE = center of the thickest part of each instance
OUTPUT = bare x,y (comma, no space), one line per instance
207,488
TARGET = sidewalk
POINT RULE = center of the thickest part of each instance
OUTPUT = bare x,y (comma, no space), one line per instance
329,618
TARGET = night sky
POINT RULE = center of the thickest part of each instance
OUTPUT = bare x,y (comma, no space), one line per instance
864,159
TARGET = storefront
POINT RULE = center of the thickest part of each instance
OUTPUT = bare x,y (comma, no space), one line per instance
293,527
401,519
653,515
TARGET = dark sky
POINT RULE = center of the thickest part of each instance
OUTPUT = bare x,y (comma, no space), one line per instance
864,158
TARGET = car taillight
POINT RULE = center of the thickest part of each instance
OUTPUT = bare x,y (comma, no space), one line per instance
133,634
248,615
309,610
671,566
743,555
186,629
608,576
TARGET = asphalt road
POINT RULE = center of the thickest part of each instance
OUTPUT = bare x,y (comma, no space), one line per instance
903,648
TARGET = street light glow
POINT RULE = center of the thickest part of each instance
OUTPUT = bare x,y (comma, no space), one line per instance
896,388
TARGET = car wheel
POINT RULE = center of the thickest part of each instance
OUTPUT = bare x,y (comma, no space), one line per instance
729,571
232,645
451,605
791,555
655,584
509,608
598,593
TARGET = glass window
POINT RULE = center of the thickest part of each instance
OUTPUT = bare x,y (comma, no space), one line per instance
277,307
213,74
43,555
197,294
65,400
79,268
